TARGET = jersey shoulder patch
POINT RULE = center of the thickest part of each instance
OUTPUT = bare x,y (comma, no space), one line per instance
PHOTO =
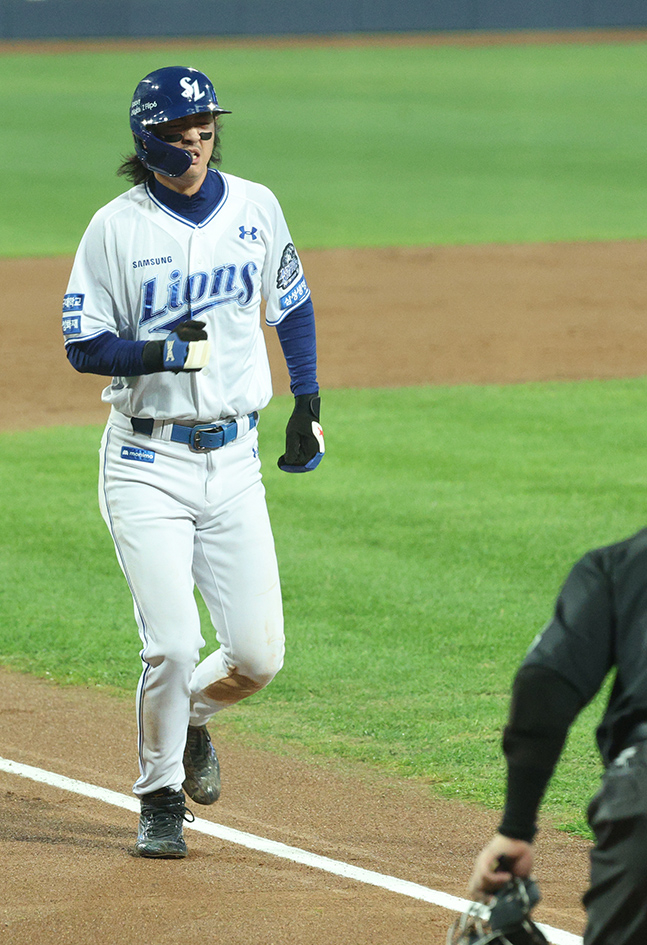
288,267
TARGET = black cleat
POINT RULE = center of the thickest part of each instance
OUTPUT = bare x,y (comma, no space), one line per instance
160,825
201,768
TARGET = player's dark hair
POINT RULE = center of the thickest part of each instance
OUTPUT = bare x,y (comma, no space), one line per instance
132,168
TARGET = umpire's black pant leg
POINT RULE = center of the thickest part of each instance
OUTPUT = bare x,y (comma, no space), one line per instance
616,901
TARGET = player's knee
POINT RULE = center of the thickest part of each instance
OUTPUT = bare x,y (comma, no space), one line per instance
259,670
243,680
260,666
257,660
263,676
180,652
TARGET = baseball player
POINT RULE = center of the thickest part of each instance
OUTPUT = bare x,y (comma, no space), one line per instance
165,297
599,625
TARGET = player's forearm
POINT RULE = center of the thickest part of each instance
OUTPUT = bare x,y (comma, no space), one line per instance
184,349
298,340
109,356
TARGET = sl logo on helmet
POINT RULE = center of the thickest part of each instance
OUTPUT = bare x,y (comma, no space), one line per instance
191,89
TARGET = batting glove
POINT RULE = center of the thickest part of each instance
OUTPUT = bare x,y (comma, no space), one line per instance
185,349
304,440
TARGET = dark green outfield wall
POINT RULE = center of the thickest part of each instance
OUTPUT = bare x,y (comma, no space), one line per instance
49,19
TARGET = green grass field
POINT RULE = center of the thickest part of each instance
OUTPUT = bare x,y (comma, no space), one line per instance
370,146
424,554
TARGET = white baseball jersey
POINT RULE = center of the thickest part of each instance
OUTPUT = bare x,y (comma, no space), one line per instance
141,269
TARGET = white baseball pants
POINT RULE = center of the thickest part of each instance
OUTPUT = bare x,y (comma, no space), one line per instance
181,519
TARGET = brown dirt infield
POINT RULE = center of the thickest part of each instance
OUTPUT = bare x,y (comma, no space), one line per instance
385,318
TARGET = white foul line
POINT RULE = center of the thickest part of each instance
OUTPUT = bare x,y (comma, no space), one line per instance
252,842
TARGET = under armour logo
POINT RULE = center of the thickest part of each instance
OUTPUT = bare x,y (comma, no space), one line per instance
191,89
244,232
169,350
254,452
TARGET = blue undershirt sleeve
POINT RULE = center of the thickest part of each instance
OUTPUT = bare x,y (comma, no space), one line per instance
107,355
299,343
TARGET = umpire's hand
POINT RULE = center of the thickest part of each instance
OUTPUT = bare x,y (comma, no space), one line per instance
488,876
304,440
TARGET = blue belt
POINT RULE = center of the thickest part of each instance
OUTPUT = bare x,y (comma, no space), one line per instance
200,438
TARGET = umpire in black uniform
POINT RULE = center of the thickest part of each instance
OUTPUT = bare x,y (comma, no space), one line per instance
599,624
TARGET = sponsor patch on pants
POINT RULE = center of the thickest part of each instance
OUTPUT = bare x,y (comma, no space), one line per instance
134,452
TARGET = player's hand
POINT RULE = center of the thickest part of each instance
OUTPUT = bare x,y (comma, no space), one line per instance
185,349
490,874
304,440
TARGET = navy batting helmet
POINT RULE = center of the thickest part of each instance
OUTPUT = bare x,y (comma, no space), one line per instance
165,95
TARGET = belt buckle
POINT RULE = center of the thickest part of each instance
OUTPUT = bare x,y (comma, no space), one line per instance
195,437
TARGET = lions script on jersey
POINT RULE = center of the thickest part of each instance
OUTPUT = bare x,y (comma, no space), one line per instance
216,271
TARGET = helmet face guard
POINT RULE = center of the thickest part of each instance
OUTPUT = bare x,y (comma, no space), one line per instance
164,95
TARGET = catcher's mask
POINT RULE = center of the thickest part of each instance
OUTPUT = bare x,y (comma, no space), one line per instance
506,921
164,95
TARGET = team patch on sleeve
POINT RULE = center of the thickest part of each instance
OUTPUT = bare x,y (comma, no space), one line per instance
288,267
71,325
73,302
138,454
296,295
